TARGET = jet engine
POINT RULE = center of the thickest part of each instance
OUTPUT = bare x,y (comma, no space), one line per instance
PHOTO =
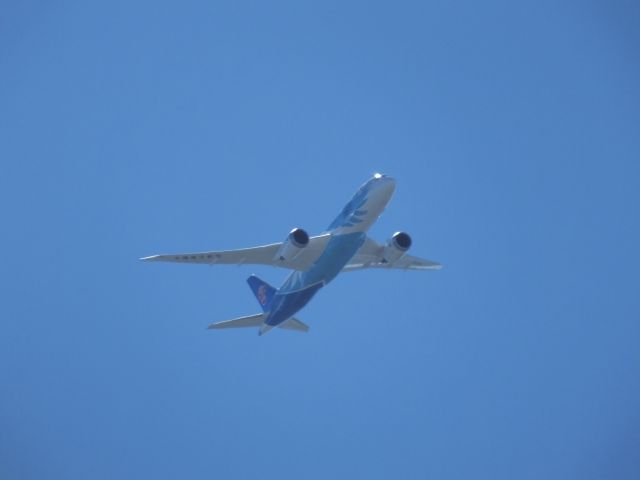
293,245
396,247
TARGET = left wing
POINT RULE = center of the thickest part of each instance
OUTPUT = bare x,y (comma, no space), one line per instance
370,256
263,255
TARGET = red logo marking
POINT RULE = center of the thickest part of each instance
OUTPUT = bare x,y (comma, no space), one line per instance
262,295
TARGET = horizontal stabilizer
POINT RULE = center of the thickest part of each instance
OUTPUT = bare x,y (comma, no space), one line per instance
242,322
294,324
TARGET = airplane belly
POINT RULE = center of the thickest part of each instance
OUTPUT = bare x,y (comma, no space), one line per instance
339,250
300,287
286,305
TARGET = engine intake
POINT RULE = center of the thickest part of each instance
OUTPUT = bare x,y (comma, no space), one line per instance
299,237
396,247
293,245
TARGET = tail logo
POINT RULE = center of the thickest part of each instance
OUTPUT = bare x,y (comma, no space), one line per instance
262,295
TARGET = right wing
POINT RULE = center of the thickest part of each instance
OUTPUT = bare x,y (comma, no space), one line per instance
263,255
370,256
406,262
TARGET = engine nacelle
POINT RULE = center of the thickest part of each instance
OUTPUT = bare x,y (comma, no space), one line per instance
293,245
396,247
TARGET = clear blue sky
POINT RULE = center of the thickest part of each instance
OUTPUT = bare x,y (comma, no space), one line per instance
134,128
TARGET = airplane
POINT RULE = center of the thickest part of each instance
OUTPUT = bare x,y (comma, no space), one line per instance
315,261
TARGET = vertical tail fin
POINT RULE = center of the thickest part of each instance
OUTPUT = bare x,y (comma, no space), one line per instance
262,290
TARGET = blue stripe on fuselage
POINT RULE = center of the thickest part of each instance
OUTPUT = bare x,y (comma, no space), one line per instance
286,305
300,287
339,250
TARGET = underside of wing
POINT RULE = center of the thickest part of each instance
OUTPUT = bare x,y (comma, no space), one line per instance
407,262
263,255
256,255
370,255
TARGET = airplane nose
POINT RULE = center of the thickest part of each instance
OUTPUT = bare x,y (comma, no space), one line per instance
385,185
380,176
386,181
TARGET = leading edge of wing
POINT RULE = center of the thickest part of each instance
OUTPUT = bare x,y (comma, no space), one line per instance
262,255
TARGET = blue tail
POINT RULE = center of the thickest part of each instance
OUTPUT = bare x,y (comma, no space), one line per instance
263,291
